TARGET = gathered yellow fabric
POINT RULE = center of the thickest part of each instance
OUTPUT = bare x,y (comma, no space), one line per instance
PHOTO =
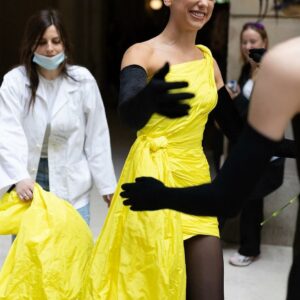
48,258
140,255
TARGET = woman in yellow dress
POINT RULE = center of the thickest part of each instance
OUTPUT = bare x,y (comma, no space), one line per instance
164,254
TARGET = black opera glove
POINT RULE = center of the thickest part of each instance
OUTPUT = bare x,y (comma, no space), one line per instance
256,54
139,100
224,196
227,116
232,124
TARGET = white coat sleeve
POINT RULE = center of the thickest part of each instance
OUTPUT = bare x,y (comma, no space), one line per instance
97,141
13,142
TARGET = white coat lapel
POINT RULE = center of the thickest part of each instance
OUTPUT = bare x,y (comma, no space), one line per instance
64,93
40,93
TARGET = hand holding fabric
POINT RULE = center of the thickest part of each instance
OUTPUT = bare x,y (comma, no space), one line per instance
108,198
24,189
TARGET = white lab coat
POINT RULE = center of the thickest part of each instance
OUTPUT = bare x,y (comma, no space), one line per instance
79,152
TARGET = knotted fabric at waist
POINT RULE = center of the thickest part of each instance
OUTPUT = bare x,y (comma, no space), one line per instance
155,143
162,142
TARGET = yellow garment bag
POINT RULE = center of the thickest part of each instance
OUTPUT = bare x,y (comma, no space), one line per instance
48,258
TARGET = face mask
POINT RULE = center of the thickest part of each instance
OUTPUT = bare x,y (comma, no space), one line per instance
49,63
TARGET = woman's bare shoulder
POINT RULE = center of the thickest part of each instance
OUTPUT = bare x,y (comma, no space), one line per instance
138,54
275,99
284,57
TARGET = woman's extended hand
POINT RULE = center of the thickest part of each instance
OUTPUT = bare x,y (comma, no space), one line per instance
24,189
108,198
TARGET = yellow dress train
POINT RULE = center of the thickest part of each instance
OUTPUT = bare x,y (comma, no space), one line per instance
140,255
49,255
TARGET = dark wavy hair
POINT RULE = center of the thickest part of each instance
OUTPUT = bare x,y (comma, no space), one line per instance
34,31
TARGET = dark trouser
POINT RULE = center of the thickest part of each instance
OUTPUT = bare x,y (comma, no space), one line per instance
252,212
42,177
250,228
294,277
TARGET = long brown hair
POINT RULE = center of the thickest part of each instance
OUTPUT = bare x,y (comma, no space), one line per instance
34,31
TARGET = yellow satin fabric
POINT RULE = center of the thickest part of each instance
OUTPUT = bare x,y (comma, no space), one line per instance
48,258
140,255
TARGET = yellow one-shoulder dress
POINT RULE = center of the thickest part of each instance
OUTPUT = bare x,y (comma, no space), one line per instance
140,255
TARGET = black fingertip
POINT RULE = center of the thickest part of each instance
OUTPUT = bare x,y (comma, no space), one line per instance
141,179
186,107
183,83
190,95
133,208
125,186
162,72
179,84
123,194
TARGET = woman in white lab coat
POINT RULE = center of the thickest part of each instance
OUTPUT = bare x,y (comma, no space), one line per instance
52,119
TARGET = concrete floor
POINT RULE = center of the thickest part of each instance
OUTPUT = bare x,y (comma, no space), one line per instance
265,279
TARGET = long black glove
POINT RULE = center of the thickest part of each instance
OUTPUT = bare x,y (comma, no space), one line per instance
139,100
227,116
223,197
232,124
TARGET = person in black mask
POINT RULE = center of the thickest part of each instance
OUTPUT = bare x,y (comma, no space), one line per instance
253,41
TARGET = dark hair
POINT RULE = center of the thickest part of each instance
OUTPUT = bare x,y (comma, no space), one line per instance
259,28
34,31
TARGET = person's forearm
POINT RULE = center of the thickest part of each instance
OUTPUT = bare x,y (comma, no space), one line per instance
237,178
131,109
227,116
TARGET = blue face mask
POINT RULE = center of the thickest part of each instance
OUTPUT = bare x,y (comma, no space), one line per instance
49,63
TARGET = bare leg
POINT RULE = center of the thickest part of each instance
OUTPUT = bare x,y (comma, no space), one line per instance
204,268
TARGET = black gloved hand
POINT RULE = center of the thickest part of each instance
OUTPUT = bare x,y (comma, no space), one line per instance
224,196
256,54
146,193
139,100
156,93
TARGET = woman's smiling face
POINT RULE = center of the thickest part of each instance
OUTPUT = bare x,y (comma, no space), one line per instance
191,14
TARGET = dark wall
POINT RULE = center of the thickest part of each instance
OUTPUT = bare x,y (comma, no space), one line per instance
83,20
14,14
100,31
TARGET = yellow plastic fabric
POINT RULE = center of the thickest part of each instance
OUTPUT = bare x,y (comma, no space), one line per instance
140,255
48,258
